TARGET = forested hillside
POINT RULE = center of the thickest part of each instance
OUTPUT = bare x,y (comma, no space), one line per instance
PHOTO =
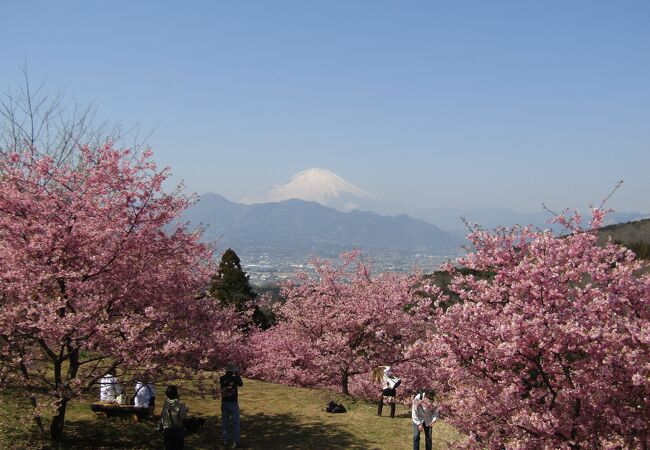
634,235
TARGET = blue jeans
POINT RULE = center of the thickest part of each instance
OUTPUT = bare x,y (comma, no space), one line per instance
427,437
230,413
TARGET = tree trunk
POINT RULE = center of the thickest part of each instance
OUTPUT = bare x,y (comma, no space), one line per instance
37,418
32,397
56,427
344,381
58,421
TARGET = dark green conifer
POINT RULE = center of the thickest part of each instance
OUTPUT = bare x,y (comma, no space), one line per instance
230,285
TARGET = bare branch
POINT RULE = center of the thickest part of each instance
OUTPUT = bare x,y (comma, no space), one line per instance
49,125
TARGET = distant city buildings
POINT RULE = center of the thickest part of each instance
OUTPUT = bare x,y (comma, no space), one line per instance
266,268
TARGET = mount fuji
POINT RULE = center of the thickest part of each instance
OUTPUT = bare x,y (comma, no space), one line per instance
320,186
319,213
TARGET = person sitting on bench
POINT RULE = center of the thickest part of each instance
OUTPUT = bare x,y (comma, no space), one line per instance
110,388
145,395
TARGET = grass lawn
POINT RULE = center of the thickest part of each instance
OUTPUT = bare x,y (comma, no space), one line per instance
273,417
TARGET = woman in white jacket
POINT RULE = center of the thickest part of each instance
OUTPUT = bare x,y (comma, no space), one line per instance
389,384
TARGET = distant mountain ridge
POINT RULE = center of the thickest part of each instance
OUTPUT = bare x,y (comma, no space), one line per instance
278,238
627,233
330,190
310,227
449,219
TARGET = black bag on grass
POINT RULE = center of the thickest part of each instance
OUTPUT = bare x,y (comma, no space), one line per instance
333,407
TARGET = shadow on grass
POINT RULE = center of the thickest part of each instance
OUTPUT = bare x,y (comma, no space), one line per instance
286,431
113,433
259,431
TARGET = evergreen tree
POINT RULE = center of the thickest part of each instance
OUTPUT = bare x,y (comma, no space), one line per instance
230,284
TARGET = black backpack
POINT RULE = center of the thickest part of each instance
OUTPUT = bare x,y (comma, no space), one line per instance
333,407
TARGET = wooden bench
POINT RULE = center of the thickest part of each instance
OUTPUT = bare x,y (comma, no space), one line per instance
109,409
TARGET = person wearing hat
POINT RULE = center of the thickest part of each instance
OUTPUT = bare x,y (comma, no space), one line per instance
229,406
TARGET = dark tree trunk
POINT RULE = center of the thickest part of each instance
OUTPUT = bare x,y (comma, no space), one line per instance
345,376
56,427
58,421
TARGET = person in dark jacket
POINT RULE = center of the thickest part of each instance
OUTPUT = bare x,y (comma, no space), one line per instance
229,405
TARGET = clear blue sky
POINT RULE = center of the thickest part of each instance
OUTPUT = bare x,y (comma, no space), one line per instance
462,104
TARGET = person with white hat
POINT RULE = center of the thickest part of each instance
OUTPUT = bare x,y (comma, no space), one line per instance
229,405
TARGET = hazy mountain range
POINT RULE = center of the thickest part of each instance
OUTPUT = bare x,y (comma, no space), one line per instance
451,220
309,227
329,189
318,212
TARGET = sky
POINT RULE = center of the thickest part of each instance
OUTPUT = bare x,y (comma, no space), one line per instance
423,103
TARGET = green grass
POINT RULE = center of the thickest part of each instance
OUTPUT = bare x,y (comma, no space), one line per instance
273,417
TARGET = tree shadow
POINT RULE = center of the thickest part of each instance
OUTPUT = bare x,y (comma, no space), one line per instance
287,431
113,433
258,431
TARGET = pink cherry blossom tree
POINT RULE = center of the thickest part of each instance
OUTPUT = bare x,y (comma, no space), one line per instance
97,276
340,323
550,351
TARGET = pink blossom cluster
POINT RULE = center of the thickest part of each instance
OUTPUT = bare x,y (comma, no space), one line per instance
552,350
336,326
548,348
96,275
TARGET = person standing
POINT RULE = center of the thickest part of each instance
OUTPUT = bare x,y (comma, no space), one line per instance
172,417
229,405
423,414
389,384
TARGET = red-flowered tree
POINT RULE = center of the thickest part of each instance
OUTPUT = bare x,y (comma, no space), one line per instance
96,275
550,351
339,323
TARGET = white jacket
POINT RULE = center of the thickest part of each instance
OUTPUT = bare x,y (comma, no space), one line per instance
143,393
109,388
389,382
422,411
388,379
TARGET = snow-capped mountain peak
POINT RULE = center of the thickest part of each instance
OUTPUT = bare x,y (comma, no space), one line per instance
316,185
